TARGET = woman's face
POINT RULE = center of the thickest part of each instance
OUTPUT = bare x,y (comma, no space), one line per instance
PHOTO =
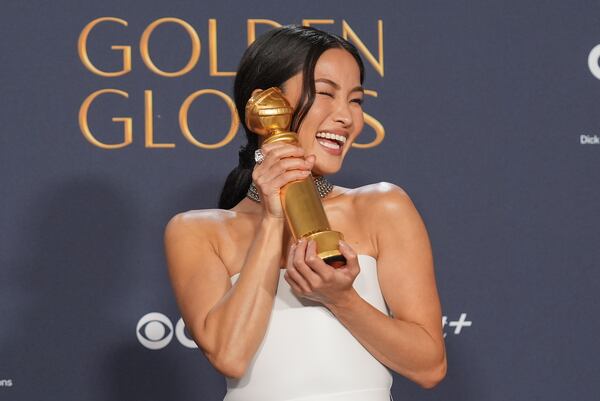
336,118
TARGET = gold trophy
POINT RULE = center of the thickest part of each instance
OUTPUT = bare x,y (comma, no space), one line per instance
269,114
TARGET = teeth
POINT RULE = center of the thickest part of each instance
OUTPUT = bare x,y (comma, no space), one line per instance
329,135
329,144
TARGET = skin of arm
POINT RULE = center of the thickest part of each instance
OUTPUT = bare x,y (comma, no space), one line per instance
410,342
227,322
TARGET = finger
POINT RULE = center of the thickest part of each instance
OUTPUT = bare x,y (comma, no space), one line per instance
295,287
304,266
290,163
283,165
297,260
290,254
299,280
351,257
269,147
311,159
269,179
271,167
269,151
318,266
289,176
282,151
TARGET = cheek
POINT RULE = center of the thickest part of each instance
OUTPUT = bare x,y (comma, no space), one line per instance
305,138
359,123
359,120
310,124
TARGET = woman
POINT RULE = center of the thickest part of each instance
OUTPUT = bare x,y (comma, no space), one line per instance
266,311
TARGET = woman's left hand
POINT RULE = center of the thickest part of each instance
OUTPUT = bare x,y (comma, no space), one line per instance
314,279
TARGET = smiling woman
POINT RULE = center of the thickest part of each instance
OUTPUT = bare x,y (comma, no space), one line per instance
266,311
336,118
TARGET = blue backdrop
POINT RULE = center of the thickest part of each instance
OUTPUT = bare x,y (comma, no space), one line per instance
485,112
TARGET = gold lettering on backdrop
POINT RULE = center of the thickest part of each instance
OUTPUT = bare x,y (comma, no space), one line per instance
212,50
85,129
149,123
251,27
85,59
194,56
373,123
348,34
311,22
183,119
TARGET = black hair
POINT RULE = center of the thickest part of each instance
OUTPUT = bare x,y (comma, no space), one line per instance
272,59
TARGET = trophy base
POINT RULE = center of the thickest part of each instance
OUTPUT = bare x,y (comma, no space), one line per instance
328,247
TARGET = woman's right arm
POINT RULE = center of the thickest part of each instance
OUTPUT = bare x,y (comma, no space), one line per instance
228,323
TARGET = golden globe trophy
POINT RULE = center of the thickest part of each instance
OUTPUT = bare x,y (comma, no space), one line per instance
269,114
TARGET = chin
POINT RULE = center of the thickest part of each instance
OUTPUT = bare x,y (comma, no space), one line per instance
326,170
327,164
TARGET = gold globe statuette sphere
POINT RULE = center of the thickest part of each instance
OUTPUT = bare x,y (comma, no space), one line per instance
269,114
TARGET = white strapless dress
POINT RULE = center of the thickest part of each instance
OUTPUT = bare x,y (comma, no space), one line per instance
308,355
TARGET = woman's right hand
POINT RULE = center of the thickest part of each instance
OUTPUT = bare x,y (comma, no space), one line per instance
283,163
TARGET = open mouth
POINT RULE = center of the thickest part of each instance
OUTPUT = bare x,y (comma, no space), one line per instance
332,141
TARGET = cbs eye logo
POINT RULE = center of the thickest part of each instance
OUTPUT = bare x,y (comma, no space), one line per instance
155,331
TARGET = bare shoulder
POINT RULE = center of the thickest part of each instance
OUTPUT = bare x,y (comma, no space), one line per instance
380,197
203,230
387,212
201,223
219,233
201,216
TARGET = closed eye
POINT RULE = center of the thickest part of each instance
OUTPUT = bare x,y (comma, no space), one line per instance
358,101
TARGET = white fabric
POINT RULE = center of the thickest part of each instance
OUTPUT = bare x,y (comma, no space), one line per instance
308,355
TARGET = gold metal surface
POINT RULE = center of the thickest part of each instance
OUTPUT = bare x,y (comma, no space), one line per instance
269,114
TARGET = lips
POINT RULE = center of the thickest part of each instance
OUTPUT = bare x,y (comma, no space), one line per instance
331,142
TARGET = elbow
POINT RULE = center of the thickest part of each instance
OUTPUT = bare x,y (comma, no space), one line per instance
228,366
434,376
220,356
223,358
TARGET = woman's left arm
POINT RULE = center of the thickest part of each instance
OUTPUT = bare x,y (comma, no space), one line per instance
411,341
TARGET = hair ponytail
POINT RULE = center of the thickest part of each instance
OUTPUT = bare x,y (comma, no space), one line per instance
239,179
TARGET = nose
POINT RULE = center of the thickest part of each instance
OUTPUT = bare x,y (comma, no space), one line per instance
342,113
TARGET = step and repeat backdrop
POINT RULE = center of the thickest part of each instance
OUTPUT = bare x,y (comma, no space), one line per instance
118,115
